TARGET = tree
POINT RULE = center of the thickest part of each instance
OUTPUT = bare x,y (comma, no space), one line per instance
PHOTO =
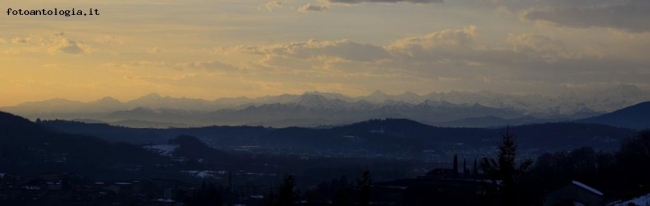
455,166
634,162
310,198
363,187
340,198
271,199
475,168
465,170
207,195
505,168
287,196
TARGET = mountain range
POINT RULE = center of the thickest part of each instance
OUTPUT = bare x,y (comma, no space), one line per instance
456,108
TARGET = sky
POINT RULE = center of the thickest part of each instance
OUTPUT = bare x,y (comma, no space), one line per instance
229,48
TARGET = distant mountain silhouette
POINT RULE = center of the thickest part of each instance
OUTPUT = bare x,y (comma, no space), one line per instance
378,97
27,147
139,116
453,108
134,123
309,107
634,117
147,124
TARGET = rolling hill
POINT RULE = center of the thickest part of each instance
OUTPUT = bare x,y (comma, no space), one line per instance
634,117
27,147
378,135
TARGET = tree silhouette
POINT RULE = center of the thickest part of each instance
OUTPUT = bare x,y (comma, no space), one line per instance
455,166
475,168
271,199
634,162
363,187
505,168
465,170
287,196
309,198
207,195
340,198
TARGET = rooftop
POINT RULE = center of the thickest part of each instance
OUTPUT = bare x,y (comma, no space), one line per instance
580,184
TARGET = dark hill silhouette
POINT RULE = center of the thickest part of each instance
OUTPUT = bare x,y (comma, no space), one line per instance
378,135
193,148
548,135
297,137
633,117
8,120
107,132
491,121
27,147
388,124
156,135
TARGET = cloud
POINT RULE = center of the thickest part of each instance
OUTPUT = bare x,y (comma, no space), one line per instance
386,1
21,40
58,42
447,38
626,15
2,41
241,49
549,49
154,50
441,49
313,49
56,66
445,45
272,5
537,42
313,8
211,65
451,54
632,16
309,7
459,53
110,40
67,46
189,82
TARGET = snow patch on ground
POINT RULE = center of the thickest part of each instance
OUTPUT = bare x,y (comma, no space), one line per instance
201,173
162,149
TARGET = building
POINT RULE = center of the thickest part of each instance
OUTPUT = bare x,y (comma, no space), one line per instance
440,186
575,193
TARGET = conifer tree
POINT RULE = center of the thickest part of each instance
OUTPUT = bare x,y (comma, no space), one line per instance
271,199
287,195
475,168
455,166
465,170
363,186
505,168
